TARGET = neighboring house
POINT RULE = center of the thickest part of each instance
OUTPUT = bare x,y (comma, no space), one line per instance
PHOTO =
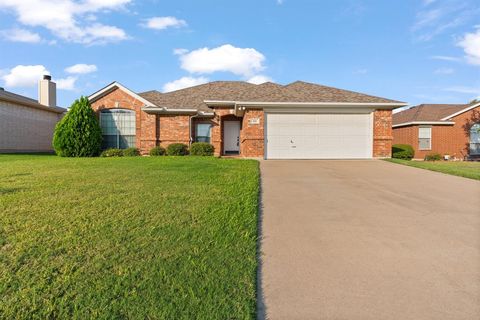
296,121
27,125
447,129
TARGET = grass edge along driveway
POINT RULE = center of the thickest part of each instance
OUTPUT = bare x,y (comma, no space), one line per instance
466,169
157,238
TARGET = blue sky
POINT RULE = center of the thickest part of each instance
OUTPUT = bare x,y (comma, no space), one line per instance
415,51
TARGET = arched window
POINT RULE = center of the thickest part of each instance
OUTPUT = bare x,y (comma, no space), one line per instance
118,128
475,139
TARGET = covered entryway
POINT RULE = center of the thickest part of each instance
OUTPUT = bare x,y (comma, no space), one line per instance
319,136
231,137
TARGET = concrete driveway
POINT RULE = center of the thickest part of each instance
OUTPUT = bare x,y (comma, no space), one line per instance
368,240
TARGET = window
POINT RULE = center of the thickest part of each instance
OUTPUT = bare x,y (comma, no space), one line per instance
118,128
475,139
202,132
425,138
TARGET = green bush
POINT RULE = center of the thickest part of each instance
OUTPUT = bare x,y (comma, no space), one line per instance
402,151
157,151
112,153
78,134
177,149
131,152
201,149
433,157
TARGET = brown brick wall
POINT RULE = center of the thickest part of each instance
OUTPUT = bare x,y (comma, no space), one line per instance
251,135
174,129
446,139
382,134
125,101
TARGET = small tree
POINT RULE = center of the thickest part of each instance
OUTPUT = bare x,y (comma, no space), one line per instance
78,134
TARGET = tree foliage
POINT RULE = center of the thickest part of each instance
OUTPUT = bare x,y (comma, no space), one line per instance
78,134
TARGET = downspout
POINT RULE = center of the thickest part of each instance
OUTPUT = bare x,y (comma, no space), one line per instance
190,128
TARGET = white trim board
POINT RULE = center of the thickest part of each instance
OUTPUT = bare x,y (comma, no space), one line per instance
462,111
448,123
118,85
253,104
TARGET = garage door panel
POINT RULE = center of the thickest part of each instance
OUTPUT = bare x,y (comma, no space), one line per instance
319,136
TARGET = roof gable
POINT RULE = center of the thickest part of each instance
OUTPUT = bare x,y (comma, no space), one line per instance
116,85
428,112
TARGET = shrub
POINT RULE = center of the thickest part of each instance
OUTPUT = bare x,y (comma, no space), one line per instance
112,153
201,149
402,151
433,157
78,134
157,151
131,152
177,149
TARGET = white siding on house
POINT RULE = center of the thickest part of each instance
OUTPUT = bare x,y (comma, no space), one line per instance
26,129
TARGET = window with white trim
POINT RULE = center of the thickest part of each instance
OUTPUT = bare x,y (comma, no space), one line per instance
424,138
475,139
202,132
118,128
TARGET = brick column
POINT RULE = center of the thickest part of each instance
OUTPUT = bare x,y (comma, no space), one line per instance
382,134
252,134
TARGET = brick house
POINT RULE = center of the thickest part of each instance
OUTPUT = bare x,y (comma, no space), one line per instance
296,121
27,125
447,129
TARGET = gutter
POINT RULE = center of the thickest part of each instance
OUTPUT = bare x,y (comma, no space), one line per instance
253,104
447,123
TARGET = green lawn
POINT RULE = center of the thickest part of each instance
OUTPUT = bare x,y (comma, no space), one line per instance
458,168
139,238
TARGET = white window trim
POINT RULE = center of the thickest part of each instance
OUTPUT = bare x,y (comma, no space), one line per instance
430,138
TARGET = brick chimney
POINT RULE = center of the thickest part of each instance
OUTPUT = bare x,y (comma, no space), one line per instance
47,92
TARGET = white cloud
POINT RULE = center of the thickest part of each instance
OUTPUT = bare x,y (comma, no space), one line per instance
464,89
24,76
179,51
445,58
64,18
471,46
160,23
67,83
360,71
240,61
259,79
444,71
81,68
20,35
439,16
183,82
428,2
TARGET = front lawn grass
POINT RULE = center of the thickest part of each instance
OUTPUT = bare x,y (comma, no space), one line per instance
137,238
457,168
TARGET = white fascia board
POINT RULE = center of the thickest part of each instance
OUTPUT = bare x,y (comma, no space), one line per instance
424,123
167,111
462,111
219,103
118,85
253,104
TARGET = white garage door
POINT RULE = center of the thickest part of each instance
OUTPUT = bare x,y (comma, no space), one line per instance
319,136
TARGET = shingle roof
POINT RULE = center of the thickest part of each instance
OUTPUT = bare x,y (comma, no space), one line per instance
299,91
25,101
427,112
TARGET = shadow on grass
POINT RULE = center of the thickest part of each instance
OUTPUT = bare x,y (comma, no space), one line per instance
261,307
8,190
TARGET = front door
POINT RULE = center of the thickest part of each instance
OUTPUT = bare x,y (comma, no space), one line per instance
231,137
